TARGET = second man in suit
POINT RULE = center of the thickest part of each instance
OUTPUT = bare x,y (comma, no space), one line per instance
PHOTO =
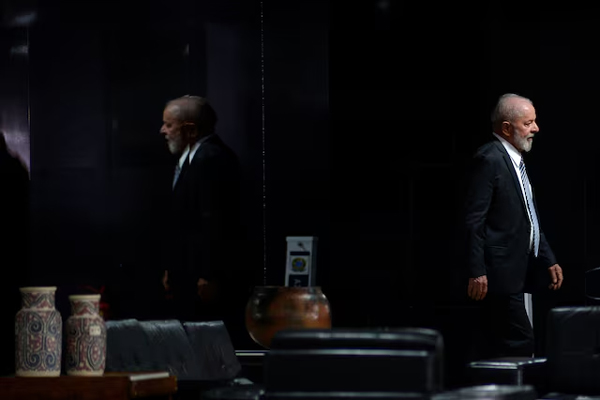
203,236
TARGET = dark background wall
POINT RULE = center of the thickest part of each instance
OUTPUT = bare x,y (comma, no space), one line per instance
97,80
411,90
353,124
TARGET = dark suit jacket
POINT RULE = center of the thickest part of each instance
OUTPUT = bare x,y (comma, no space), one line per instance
205,218
498,228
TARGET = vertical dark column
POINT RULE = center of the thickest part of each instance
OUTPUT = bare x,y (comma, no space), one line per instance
68,150
297,128
234,86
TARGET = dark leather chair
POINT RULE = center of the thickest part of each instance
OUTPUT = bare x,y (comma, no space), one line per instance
242,392
573,350
190,350
199,354
571,369
211,343
489,392
163,346
516,371
334,363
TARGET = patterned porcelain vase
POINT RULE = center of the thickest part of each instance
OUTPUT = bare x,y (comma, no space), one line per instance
38,333
86,337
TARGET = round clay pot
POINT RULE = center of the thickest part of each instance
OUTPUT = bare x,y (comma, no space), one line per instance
273,308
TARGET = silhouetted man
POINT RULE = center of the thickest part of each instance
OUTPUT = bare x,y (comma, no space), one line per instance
14,220
201,260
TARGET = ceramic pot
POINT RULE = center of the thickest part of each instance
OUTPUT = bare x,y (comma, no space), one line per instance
38,334
85,337
273,308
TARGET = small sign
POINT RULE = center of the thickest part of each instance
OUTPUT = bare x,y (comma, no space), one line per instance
301,260
297,280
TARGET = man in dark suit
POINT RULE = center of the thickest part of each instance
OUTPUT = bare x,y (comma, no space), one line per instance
14,250
506,248
201,268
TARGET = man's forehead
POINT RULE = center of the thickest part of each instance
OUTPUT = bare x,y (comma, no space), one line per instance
518,102
528,109
169,113
524,108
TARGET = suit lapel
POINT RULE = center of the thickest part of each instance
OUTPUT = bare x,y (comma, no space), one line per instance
513,173
212,139
182,174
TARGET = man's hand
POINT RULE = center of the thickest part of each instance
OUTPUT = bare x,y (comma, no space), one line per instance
478,287
207,291
165,280
556,275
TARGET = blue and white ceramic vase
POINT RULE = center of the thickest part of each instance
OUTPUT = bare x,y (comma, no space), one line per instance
38,334
86,337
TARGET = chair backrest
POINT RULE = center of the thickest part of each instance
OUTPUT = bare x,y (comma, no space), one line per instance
592,286
402,360
211,342
134,345
192,351
573,350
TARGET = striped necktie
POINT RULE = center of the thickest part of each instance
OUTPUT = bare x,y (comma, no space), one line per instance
176,175
530,207
178,170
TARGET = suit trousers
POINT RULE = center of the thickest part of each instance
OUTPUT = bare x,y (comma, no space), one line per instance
505,329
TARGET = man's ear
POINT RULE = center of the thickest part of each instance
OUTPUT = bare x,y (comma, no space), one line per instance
505,128
189,130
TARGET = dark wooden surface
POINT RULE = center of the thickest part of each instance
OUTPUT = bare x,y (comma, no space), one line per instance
112,385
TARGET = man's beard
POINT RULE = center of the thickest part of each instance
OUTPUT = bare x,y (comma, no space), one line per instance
523,143
176,145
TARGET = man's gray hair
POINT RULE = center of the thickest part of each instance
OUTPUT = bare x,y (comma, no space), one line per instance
505,110
194,109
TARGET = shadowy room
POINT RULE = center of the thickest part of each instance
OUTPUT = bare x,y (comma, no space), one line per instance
353,127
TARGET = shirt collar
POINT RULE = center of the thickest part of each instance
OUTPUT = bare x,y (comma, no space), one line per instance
184,155
191,151
514,154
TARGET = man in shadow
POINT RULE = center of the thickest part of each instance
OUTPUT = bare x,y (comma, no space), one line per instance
203,235
14,207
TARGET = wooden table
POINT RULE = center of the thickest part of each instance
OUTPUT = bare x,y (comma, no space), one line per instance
112,385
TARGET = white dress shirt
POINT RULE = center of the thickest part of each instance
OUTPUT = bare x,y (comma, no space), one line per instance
515,157
191,152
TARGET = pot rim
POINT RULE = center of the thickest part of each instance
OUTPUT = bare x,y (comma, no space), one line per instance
30,289
84,297
286,287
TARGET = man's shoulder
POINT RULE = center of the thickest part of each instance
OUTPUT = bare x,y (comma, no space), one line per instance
215,153
218,146
488,155
493,149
